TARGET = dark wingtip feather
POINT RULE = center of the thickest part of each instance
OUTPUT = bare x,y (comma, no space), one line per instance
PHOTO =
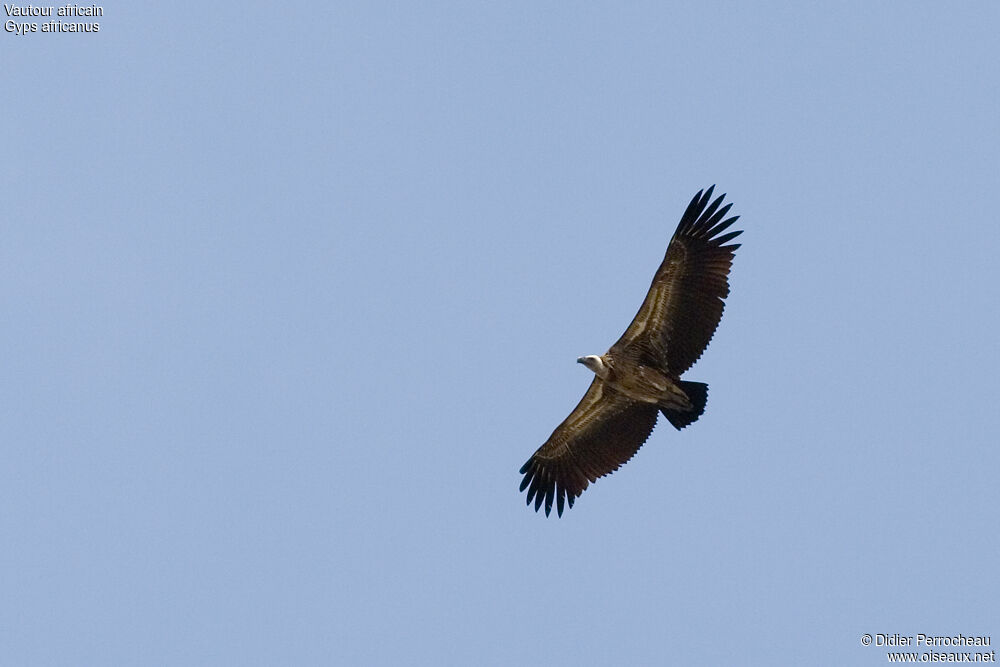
702,219
727,237
695,213
718,215
528,473
534,488
690,213
539,497
544,490
706,215
527,464
722,226
524,483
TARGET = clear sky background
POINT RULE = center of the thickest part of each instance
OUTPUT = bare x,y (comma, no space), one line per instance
291,291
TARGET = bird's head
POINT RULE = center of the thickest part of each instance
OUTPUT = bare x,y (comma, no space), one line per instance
594,363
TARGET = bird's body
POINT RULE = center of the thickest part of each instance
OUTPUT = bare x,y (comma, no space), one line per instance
625,371
638,378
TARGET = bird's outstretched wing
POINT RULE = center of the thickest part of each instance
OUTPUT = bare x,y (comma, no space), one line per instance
685,301
604,431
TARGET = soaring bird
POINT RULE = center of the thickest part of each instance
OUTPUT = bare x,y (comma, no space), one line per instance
639,377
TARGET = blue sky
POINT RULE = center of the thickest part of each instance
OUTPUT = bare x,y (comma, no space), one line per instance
290,292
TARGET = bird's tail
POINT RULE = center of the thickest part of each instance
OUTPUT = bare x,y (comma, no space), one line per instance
697,393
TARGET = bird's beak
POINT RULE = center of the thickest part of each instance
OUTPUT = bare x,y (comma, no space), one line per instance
579,360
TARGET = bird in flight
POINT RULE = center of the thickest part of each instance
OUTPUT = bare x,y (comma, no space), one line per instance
639,377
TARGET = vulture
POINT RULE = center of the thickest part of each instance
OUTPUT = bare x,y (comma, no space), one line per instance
639,376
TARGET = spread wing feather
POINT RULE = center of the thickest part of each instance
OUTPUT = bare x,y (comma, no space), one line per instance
685,300
604,431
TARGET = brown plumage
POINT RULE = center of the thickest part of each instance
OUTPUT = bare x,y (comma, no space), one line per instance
639,377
